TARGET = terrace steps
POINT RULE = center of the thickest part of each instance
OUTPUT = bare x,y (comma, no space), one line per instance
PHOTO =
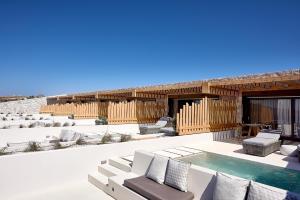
120,163
113,167
109,170
98,180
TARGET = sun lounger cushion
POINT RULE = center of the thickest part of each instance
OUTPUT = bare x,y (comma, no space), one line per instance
154,191
259,191
229,187
157,169
259,141
176,175
274,136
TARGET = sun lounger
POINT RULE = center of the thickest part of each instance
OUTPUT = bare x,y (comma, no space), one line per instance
262,145
150,129
169,131
161,123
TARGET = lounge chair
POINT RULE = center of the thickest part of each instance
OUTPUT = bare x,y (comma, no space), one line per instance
169,131
150,129
262,145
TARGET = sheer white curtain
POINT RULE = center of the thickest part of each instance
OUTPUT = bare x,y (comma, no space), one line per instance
284,116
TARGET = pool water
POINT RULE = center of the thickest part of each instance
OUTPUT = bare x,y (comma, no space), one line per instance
271,175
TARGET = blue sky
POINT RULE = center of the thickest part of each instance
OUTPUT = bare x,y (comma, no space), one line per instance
57,46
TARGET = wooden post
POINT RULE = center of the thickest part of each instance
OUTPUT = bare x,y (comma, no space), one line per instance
239,111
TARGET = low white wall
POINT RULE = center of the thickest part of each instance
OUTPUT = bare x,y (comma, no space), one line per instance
39,134
26,173
46,119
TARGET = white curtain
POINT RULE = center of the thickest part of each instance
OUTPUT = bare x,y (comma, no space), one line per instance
284,116
297,112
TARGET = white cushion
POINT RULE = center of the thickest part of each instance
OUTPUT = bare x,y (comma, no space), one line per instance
259,191
157,169
274,136
230,188
177,173
288,150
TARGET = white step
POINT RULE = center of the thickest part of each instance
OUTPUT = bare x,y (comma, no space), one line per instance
109,171
98,180
167,154
129,158
120,163
179,152
189,150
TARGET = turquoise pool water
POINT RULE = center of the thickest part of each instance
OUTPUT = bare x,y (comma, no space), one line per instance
275,176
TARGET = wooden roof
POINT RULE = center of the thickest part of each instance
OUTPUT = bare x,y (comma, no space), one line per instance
258,82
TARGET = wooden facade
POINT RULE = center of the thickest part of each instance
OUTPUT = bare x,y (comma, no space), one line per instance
125,112
219,102
208,115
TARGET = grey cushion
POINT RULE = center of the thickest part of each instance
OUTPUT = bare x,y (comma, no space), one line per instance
157,169
161,123
230,188
258,191
259,141
299,147
154,191
289,150
176,175
274,136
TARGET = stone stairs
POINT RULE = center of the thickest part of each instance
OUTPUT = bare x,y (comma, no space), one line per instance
114,166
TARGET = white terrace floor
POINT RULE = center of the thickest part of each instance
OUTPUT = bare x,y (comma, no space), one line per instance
85,190
76,191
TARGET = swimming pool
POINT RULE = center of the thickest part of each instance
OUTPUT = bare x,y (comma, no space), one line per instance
271,175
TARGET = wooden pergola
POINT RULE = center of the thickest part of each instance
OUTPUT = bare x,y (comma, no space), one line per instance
235,86
223,96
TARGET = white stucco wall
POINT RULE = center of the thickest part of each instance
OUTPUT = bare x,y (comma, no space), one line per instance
30,172
29,106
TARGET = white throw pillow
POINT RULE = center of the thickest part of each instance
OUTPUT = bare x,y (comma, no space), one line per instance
177,173
230,188
157,169
260,191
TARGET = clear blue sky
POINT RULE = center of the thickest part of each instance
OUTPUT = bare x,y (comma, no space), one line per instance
57,47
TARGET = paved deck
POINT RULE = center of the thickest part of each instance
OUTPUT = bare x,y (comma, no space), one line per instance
74,191
236,150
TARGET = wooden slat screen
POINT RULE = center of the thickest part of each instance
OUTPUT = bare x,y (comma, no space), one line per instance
208,115
135,112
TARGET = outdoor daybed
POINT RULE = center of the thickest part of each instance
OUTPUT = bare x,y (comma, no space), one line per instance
262,145
150,129
202,184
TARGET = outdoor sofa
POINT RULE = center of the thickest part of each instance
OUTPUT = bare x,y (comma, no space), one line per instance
263,144
202,184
